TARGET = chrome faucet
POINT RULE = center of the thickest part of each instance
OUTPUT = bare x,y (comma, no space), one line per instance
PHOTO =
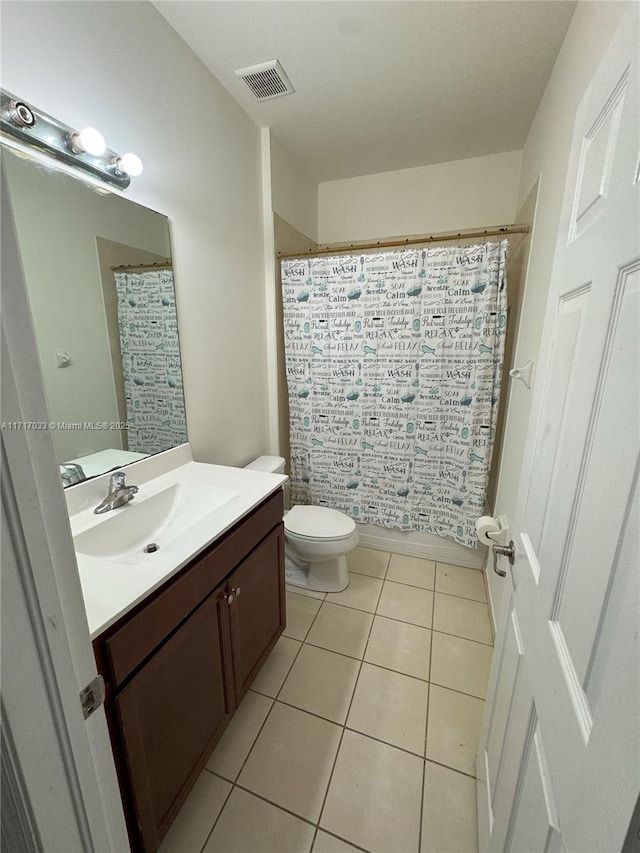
119,493
71,473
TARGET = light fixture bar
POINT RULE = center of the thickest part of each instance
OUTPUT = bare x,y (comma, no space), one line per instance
30,126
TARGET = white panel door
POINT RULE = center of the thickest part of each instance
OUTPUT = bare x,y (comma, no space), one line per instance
62,764
559,760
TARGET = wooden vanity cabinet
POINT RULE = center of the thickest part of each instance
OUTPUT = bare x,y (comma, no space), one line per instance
257,613
177,666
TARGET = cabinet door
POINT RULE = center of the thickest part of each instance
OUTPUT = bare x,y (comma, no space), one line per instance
257,612
170,716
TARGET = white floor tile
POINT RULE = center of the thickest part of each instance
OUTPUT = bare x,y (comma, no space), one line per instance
399,646
406,603
362,593
367,561
374,797
301,611
412,571
391,707
461,617
341,629
322,683
455,580
453,729
460,664
276,667
290,763
449,817
234,746
326,843
193,824
249,825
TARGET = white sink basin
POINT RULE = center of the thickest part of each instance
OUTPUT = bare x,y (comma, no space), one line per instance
157,519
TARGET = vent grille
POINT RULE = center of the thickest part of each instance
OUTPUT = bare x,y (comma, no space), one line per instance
266,80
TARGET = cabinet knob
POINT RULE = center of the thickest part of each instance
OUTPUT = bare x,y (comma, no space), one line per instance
238,591
229,598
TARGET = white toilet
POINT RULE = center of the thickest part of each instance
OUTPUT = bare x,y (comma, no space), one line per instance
317,540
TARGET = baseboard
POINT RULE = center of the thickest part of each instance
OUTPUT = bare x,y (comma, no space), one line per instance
424,545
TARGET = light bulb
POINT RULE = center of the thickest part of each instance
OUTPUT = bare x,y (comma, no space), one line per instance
90,140
129,164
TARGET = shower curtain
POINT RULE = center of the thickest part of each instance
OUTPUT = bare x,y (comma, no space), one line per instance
394,366
148,327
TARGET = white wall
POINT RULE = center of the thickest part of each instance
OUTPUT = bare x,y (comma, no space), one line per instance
120,66
443,197
546,156
294,192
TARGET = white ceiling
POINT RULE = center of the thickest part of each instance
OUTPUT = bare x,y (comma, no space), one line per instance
384,85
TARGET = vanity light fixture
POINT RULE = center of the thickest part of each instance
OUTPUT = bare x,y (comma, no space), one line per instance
24,127
129,164
89,140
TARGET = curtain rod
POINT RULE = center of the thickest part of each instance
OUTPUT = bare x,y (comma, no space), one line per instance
409,241
132,267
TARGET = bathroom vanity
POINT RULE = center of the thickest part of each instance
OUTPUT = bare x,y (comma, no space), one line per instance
177,661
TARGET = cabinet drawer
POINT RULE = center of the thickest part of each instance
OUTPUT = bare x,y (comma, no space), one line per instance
142,632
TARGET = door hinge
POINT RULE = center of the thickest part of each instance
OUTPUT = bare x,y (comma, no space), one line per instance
92,696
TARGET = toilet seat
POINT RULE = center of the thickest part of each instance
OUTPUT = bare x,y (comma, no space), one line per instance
312,523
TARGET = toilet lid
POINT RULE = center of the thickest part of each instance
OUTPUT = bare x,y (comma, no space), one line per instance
318,522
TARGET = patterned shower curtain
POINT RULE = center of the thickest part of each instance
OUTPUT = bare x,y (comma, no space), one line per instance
152,373
394,365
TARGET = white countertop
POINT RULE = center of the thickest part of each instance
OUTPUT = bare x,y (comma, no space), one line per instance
105,460
111,587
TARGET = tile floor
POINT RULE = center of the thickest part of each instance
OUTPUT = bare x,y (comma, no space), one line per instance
361,730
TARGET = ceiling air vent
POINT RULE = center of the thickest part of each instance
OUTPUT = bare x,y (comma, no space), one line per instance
266,80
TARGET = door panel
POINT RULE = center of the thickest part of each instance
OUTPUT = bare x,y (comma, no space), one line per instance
534,816
567,661
257,612
578,606
555,413
170,715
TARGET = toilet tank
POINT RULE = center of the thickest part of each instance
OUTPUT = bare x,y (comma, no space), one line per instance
268,464
273,465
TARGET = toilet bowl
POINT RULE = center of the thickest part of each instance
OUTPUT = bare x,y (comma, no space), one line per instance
317,540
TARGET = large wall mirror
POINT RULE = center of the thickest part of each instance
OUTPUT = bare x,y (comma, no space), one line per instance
99,277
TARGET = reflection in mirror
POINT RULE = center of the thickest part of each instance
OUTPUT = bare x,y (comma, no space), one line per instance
100,283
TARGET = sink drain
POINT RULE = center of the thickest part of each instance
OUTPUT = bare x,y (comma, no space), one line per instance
150,548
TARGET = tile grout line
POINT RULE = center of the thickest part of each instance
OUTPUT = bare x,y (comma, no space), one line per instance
253,743
234,783
339,838
344,727
277,806
426,722
310,624
302,642
449,767
226,800
386,579
434,590
381,666
404,621
299,817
